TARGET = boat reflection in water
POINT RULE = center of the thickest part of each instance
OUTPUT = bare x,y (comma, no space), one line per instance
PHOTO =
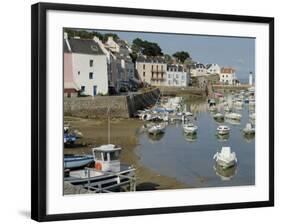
222,138
190,137
225,174
248,137
155,138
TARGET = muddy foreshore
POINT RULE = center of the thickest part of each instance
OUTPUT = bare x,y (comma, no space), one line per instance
123,133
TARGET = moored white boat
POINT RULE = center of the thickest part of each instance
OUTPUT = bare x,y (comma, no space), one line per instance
249,129
233,116
225,158
156,129
108,175
190,128
218,116
223,130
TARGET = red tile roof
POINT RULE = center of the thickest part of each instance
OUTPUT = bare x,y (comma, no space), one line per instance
228,70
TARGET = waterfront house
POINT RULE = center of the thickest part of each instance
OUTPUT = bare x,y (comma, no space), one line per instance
152,70
177,76
70,87
198,69
122,68
88,65
227,76
213,69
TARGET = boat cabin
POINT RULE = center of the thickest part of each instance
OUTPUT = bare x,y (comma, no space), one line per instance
107,158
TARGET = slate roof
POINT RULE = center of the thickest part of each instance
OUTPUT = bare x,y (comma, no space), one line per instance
151,59
65,48
83,46
177,68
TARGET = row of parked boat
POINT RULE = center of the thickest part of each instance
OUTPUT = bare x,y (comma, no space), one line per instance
227,159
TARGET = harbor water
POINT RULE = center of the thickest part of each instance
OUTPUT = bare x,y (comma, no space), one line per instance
189,159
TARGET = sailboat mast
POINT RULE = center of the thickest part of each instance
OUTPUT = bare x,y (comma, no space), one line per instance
108,123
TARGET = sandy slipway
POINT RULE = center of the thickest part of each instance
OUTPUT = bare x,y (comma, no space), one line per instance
123,133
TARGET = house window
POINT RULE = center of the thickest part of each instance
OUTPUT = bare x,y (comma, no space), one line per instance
83,88
161,67
151,67
90,75
78,72
91,63
143,74
143,66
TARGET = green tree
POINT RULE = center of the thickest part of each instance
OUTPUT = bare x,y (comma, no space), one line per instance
181,56
146,47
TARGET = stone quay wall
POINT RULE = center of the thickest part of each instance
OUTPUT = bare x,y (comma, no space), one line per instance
119,106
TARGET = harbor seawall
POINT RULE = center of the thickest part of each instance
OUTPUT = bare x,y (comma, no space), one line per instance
179,91
120,106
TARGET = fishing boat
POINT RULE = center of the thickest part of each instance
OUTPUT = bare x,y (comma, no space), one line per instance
77,161
190,128
249,129
223,130
69,138
156,129
233,116
109,174
225,158
218,116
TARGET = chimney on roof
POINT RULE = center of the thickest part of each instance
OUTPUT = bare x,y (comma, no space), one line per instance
65,35
110,38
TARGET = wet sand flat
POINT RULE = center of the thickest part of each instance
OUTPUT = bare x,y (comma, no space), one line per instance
124,133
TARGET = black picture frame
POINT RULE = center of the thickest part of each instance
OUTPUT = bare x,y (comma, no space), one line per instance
39,107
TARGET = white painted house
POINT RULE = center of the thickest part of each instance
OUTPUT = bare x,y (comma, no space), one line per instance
213,69
227,76
198,69
177,76
89,66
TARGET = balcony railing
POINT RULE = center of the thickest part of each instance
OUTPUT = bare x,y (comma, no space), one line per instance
158,78
157,70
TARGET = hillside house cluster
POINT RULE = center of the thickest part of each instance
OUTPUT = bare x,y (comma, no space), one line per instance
92,67
156,71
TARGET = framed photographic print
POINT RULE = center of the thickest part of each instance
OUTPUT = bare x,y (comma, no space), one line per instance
140,111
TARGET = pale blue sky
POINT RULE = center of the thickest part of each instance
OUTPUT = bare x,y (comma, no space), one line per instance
226,51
